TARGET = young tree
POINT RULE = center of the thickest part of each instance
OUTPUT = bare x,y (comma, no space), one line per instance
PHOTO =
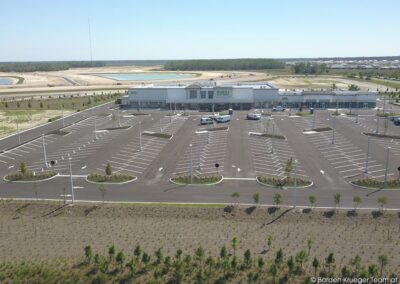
256,198
289,168
356,201
200,255
301,258
120,259
234,245
160,256
235,197
247,258
35,189
382,201
270,238
103,191
309,244
279,257
111,253
88,253
277,199
329,261
22,168
383,261
312,200
274,271
336,199
315,265
108,169
223,253
137,252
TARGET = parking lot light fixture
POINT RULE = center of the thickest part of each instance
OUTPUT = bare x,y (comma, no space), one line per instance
191,164
295,185
72,182
367,156
313,122
44,151
386,166
333,129
377,124
95,129
140,135
19,134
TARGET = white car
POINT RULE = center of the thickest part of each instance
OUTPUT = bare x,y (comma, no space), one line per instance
254,116
206,120
278,108
223,118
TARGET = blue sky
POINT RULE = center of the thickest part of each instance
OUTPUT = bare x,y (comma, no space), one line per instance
172,29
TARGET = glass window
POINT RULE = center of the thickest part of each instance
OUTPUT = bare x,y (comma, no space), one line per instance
210,94
203,94
193,94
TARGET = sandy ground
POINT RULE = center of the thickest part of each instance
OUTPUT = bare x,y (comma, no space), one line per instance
26,119
318,82
46,231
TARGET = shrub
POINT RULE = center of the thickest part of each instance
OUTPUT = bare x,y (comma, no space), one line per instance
95,177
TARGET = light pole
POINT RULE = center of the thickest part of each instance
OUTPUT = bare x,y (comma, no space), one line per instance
62,116
333,129
160,125
191,164
44,151
140,135
95,129
19,135
313,122
377,124
387,166
72,182
119,119
295,185
357,108
367,156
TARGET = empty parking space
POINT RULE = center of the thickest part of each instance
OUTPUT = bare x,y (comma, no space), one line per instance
270,155
206,149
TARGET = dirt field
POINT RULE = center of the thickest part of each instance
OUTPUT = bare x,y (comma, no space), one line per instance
26,119
324,82
38,231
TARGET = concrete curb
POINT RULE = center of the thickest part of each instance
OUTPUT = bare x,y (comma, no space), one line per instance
29,181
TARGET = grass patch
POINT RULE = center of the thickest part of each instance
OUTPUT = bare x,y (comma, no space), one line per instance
116,178
57,132
185,205
137,113
6,129
116,128
381,135
387,114
30,176
185,179
54,118
157,134
275,136
378,183
218,128
322,129
280,182
303,113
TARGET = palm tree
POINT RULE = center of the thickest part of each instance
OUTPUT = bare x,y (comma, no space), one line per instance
270,238
309,244
120,259
279,257
200,254
274,271
356,200
383,260
329,261
111,252
312,200
88,253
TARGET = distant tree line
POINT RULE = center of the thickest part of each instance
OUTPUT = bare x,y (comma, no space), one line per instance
224,64
309,68
45,66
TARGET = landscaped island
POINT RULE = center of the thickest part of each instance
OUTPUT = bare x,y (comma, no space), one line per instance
373,183
26,175
110,177
200,180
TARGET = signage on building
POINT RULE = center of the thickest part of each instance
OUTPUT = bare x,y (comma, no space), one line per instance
224,93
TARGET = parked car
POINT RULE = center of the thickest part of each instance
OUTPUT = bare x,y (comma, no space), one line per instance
396,121
206,120
278,108
253,116
230,111
223,118
392,118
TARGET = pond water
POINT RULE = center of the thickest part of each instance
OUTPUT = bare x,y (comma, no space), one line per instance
5,81
145,76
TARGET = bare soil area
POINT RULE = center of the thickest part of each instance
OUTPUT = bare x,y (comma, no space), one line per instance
40,231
